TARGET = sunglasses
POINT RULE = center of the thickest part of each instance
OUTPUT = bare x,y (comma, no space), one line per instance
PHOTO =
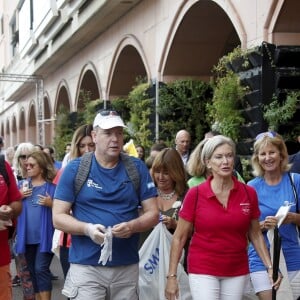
23,156
105,112
270,134
31,166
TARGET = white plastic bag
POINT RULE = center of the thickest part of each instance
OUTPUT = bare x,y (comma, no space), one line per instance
154,265
55,242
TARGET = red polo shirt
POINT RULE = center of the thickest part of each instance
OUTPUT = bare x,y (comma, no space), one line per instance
219,243
8,194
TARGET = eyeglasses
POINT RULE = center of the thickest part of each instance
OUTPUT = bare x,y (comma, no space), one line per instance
270,134
105,112
23,156
31,166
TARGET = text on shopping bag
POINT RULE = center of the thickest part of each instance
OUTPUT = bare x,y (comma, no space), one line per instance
152,262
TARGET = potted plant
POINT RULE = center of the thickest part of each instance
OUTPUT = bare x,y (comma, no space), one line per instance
253,98
224,110
278,112
236,60
182,103
252,113
255,56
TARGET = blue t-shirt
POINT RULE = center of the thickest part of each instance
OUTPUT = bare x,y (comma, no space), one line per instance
270,198
108,197
34,212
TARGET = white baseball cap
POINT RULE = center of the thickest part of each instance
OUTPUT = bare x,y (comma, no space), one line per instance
107,119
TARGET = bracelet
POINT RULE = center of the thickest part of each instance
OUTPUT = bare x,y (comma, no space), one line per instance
269,267
171,275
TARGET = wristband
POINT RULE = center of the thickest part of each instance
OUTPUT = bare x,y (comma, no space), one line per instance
269,267
171,276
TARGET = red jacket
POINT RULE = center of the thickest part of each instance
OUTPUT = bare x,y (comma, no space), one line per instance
8,194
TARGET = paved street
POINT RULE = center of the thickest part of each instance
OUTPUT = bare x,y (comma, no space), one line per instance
57,284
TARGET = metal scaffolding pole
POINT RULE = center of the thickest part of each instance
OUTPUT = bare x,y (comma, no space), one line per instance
41,113
39,83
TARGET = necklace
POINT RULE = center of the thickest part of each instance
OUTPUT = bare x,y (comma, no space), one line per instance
166,196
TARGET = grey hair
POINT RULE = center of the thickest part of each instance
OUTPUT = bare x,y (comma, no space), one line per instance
23,147
212,144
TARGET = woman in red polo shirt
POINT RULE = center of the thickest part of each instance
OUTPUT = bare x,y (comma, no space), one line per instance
223,214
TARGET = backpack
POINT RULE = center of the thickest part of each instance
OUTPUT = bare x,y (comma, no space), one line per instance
3,170
85,165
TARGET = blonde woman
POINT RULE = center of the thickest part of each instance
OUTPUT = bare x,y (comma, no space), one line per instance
274,188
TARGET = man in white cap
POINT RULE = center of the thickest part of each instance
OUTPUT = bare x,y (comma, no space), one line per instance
105,208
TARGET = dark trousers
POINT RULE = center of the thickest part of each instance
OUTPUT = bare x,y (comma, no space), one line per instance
39,268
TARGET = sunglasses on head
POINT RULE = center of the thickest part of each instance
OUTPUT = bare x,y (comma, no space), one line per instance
23,156
105,112
270,134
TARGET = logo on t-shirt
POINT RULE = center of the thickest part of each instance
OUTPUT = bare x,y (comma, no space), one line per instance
245,208
91,183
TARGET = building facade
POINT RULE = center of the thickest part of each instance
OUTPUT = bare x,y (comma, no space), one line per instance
51,50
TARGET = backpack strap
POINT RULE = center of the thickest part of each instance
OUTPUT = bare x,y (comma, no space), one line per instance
3,170
291,177
85,165
83,171
132,171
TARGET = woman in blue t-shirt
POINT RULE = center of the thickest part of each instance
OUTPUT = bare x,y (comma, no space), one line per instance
274,189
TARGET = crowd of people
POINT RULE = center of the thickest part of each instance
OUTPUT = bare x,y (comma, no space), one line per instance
103,204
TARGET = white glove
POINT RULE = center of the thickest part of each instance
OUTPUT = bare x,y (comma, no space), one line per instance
95,232
106,252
